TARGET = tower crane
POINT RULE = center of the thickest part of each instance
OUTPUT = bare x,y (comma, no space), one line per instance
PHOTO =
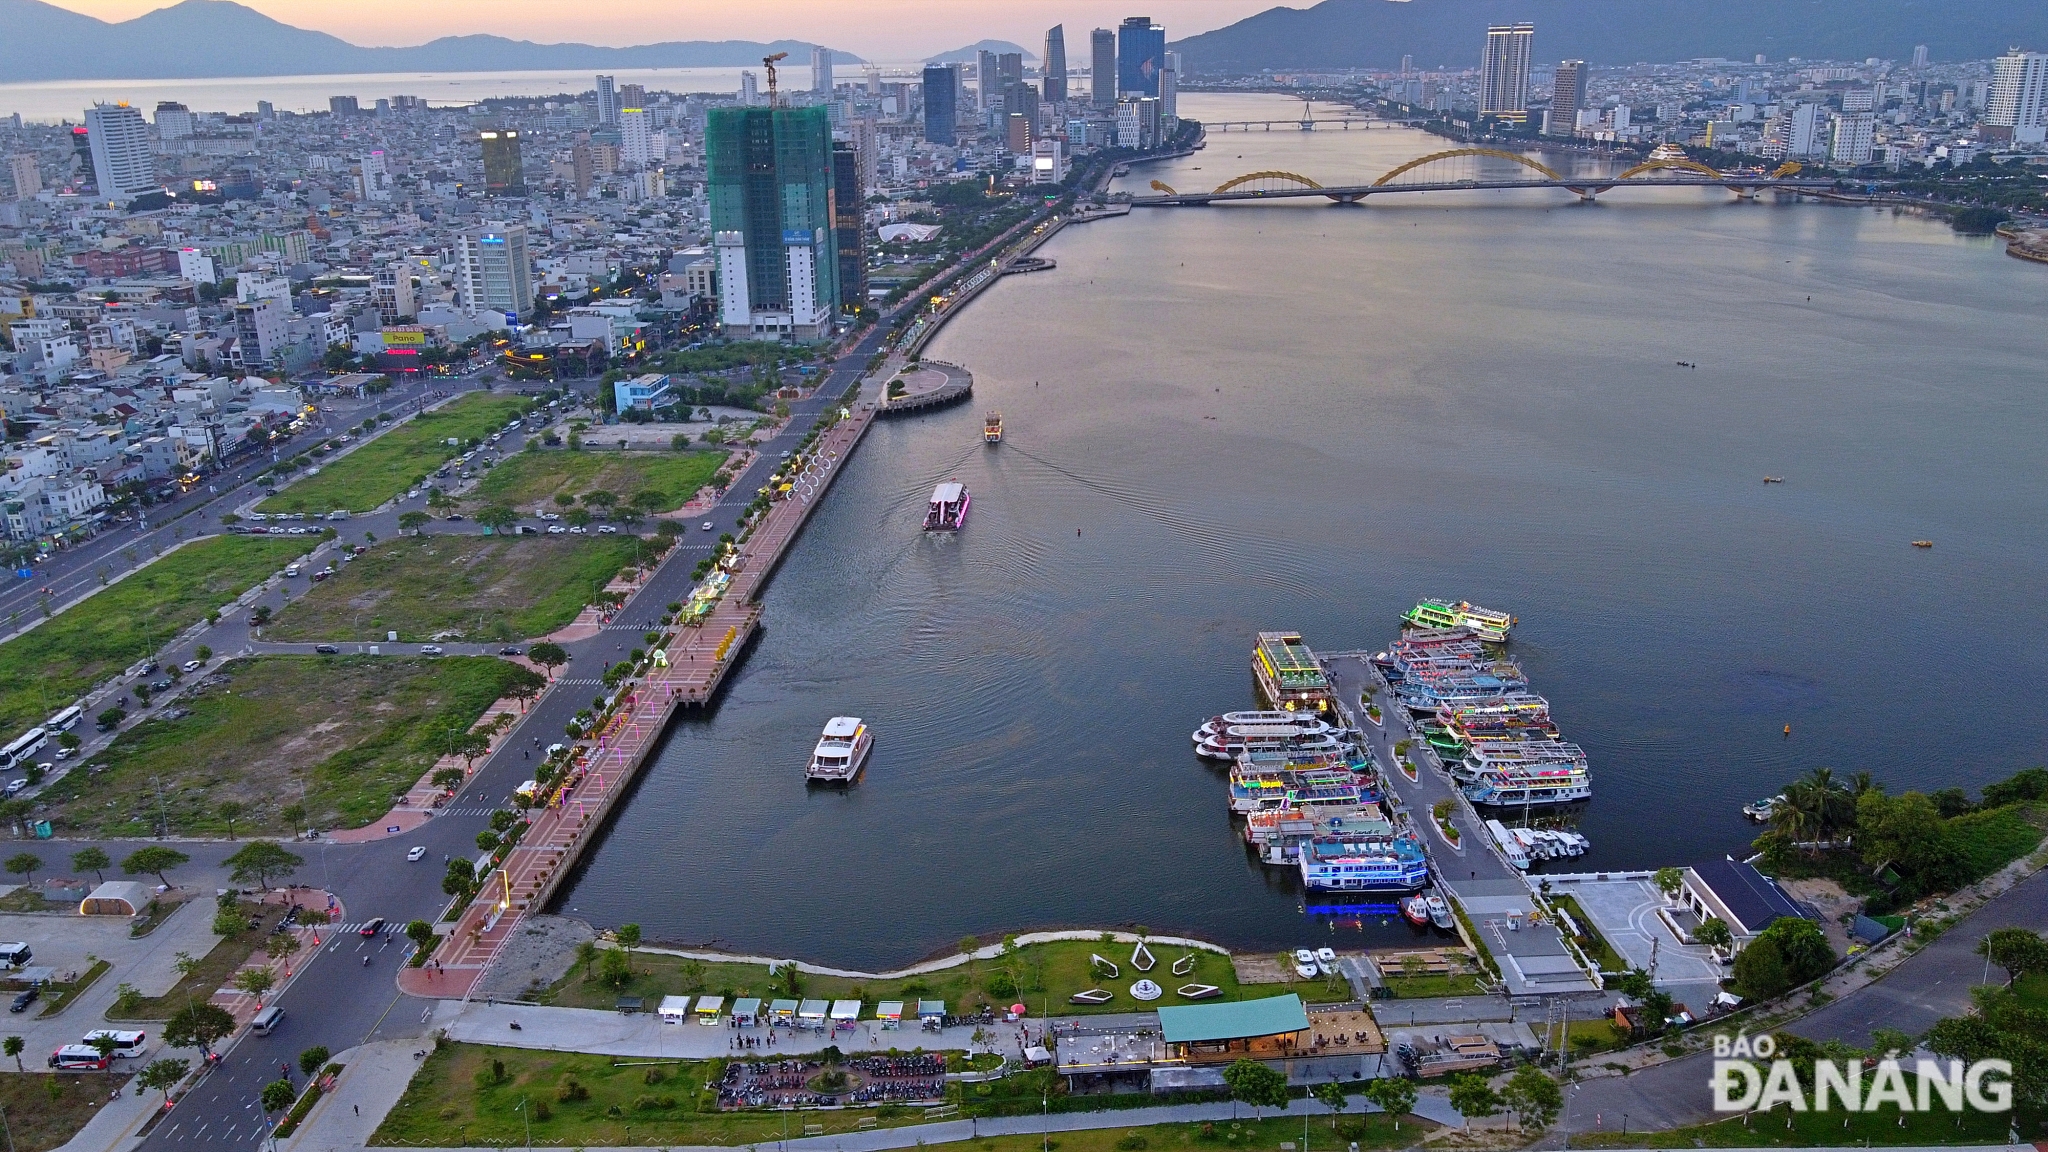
768,62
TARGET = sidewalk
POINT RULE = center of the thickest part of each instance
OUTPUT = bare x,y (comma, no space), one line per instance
373,1077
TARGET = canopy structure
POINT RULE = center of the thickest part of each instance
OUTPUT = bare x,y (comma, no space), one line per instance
747,1009
115,898
674,1009
1261,1029
847,1010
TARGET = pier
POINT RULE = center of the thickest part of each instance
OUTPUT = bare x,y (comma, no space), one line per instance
925,385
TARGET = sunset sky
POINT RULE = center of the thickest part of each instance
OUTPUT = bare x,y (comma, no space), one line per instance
882,30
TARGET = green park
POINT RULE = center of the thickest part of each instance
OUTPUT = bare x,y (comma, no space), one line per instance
374,472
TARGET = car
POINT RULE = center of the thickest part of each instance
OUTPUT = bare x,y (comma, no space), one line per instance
190,666
291,570
148,669
577,529
161,685
706,525
550,516
418,854
327,649
371,926
509,650
607,529
63,753
15,786
23,999
456,516
556,529
430,650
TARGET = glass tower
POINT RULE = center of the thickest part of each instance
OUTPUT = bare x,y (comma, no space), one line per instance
771,181
1140,56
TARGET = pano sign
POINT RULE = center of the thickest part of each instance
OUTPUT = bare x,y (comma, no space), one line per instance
1745,1078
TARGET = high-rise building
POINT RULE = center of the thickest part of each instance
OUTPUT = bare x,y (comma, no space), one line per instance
636,137
941,111
121,161
24,177
849,238
632,96
770,182
1102,68
1140,56
750,88
493,271
1919,55
1048,161
1567,96
1055,64
342,106
375,180
1009,70
1851,137
607,102
262,326
504,168
1169,94
986,85
173,120
1407,66
2017,102
1017,133
392,292
821,69
1504,73
583,168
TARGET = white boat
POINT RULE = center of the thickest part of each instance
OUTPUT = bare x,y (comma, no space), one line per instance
1305,971
841,752
948,509
1326,955
1439,912
1509,846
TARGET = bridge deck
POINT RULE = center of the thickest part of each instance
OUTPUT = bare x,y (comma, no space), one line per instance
1581,185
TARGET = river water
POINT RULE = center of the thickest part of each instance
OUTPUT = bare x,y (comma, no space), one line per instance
1304,416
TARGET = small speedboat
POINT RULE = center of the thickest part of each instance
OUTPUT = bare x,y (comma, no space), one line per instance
1305,971
1439,911
1923,543
1416,909
1326,955
1092,996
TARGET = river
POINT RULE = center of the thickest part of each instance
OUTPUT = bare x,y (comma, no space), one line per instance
1305,416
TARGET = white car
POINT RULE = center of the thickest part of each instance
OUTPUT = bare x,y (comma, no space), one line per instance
430,649
417,854
606,529
556,529
576,528
190,666
706,525
550,516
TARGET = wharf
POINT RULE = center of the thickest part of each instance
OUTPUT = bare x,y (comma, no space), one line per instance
1534,959
698,660
928,384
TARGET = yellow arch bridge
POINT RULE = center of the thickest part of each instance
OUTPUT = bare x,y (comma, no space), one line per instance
1453,170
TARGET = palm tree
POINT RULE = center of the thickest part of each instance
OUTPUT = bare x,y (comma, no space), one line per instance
1814,809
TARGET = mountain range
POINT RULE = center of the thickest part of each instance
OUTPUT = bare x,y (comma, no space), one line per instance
199,38
1377,33
971,53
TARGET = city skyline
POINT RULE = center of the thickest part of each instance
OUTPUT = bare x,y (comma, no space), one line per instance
889,31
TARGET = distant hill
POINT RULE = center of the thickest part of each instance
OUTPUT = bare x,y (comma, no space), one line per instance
1452,33
199,38
969,54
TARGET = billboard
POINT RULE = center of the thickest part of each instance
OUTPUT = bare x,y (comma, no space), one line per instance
410,337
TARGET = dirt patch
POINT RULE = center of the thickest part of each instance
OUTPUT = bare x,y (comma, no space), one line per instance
1259,970
1836,906
539,954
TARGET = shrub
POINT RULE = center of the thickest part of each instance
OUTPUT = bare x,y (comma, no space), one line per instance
541,1111
653,1076
570,1089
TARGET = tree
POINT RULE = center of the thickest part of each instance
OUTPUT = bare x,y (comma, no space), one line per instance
262,860
1534,1097
231,811
460,879
156,861
294,815
24,863
280,945
256,982
600,499
497,518
278,1095
1785,955
1714,931
13,1046
1256,1085
1472,1096
1330,1094
203,653
69,741
112,717
579,517
614,969
259,615
311,1060
413,521
1668,881
548,655
93,860
2016,950
163,1075
420,933
1394,1094
1907,831
198,1026
629,938
470,746
649,500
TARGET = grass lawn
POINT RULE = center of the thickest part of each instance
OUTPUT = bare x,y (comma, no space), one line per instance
1419,987
50,666
447,1105
473,587
526,480
2032,991
350,731
1833,1128
1039,975
46,1109
1595,945
384,467
214,970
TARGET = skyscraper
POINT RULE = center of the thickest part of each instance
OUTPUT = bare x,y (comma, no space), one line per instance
173,120
121,162
1102,68
750,88
1504,74
771,190
23,175
1055,62
986,85
1140,55
941,111
494,272
1169,93
1919,55
607,102
1009,70
632,96
2015,105
342,106
1567,96
849,200
636,137
821,69
504,168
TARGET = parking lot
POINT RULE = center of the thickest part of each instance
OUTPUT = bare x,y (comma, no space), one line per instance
69,944
1625,912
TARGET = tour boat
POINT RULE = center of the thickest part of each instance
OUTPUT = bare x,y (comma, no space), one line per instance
1394,864
1491,627
992,428
1238,739
1288,675
948,510
841,752
1416,909
1439,912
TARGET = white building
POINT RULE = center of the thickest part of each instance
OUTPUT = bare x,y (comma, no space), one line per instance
1048,161
494,273
374,184
197,266
821,70
2016,106
636,137
262,328
392,292
23,175
174,121
254,287
1851,137
121,161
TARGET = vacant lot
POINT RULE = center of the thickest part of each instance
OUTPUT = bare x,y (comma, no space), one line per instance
1041,975
384,467
46,1109
342,734
49,667
473,587
532,479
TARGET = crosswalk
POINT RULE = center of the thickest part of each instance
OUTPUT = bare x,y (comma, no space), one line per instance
480,811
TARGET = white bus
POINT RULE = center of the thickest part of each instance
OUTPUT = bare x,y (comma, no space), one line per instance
66,720
19,752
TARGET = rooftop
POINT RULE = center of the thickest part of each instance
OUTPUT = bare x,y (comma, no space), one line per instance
1242,1019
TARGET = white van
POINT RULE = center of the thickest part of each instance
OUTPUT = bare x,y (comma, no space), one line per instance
266,1020
77,1056
16,954
127,1045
